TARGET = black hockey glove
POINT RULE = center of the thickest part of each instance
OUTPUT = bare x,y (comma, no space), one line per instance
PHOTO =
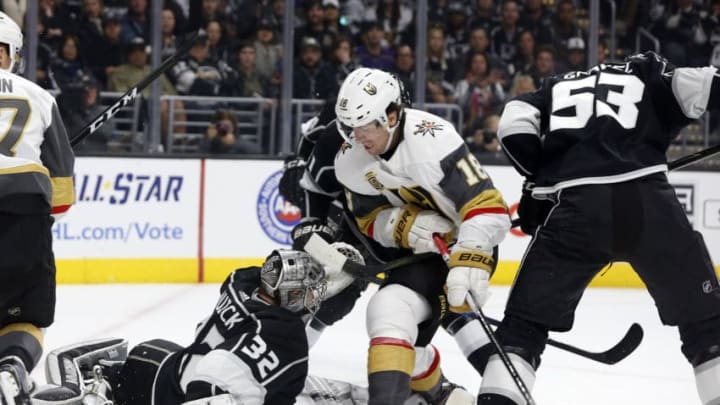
290,181
308,226
532,212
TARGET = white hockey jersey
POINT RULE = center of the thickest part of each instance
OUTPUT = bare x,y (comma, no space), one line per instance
35,154
431,168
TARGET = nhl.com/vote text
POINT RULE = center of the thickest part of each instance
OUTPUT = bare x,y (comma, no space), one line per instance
132,231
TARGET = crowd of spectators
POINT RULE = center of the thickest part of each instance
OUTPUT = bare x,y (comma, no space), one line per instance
479,52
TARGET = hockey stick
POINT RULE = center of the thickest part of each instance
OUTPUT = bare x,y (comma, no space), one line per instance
524,391
675,164
321,251
692,158
620,351
132,93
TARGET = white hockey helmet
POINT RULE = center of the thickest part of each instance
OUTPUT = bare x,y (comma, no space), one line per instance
364,97
11,35
295,279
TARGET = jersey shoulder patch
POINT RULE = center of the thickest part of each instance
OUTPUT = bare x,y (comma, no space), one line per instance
428,136
351,164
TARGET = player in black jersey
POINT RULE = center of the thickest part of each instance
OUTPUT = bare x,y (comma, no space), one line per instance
593,144
309,183
251,350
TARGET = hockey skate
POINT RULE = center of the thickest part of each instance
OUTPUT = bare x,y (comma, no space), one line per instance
15,384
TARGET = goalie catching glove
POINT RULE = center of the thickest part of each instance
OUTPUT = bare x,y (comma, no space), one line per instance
470,271
411,227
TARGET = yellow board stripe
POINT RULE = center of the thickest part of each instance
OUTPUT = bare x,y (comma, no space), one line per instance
74,271
159,270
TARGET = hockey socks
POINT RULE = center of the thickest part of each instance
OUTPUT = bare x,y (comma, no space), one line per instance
498,387
426,373
471,339
24,341
390,364
707,381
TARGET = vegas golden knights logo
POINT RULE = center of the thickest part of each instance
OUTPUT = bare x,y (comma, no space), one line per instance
371,177
370,89
427,127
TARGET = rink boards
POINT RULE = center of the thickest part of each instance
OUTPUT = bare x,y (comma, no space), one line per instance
190,220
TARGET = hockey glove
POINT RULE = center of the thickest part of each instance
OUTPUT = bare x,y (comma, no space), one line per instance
308,226
338,280
289,186
412,227
532,212
469,272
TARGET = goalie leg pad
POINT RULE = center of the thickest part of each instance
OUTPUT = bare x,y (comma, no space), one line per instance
150,372
70,365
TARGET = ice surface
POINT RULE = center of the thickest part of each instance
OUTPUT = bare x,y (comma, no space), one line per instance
656,373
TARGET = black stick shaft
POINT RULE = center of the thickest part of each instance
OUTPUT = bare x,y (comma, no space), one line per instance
675,164
692,158
524,391
131,94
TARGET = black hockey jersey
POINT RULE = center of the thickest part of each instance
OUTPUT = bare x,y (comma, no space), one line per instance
253,350
318,145
610,124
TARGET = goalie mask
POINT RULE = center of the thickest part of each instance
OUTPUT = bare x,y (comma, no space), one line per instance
294,279
11,35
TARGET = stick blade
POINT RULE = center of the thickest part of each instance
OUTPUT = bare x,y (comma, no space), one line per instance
625,347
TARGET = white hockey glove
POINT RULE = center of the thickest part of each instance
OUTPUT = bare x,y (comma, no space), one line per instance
411,227
469,273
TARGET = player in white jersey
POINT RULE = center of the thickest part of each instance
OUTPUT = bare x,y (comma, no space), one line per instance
36,168
408,175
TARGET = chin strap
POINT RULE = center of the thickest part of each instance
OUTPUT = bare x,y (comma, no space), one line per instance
392,130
